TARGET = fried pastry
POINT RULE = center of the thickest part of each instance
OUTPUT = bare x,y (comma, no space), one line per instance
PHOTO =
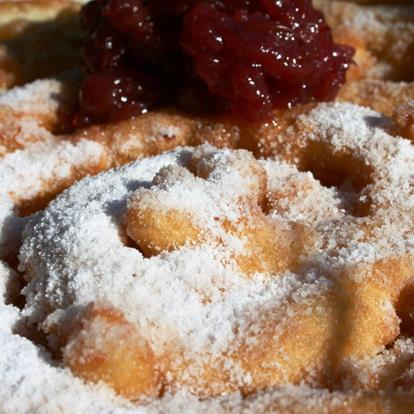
287,258
251,267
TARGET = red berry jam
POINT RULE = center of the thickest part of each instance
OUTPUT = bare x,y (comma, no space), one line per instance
246,57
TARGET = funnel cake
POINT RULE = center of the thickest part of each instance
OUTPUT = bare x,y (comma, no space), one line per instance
163,284
261,259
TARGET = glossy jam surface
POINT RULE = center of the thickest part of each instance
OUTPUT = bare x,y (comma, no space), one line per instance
246,57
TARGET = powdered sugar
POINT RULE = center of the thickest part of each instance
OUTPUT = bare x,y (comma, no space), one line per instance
30,382
386,170
26,172
294,195
74,251
94,255
37,98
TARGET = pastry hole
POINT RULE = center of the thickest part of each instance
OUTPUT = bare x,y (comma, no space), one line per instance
335,169
129,242
405,310
28,207
340,169
39,338
13,292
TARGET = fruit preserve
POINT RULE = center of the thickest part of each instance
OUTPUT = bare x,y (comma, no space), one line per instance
246,57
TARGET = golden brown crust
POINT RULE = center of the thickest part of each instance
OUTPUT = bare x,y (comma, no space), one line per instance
381,96
106,347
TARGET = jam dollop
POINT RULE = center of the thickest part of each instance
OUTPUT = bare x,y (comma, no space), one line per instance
245,57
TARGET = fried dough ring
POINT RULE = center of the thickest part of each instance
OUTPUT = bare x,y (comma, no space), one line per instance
381,96
265,358
35,32
34,10
230,200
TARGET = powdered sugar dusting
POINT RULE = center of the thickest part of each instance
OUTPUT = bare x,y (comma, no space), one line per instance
295,194
122,269
38,97
74,252
40,163
387,163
